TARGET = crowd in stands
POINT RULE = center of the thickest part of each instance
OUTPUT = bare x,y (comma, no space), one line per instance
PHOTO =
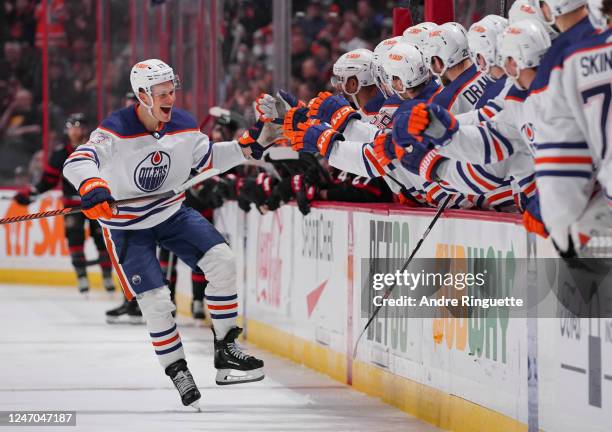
72,81
321,31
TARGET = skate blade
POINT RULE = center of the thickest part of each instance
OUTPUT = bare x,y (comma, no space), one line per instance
113,320
233,376
136,320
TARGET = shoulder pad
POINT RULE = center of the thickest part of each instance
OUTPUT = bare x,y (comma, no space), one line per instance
123,123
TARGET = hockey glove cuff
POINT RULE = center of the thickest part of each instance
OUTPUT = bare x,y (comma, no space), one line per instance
332,109
96,199
293,118
386,150
317,138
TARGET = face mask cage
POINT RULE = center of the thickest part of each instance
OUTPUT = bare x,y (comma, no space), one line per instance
382,81
339,84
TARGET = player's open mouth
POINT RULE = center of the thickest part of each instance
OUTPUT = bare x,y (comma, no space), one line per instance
166,110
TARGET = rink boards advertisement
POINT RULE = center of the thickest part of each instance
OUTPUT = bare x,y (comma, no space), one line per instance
486,360
300,284
37,244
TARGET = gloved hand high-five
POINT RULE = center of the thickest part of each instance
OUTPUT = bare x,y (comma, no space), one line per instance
315,138
259,137
293,118
386,150
432,121
96,198
273,109
420,157
332,109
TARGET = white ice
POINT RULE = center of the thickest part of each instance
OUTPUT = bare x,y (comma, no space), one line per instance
57,353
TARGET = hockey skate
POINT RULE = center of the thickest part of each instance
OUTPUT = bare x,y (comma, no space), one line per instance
129,311
184,383
197,310
109,285
83,285
233,366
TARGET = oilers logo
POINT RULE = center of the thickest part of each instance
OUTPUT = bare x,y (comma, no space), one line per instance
529,134
151,173
527,131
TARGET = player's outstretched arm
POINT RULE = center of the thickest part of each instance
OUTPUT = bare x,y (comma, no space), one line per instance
85,162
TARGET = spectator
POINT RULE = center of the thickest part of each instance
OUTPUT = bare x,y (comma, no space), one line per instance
61,87
349,37
17,66
314,22
372,23
20,130
20,21
299,51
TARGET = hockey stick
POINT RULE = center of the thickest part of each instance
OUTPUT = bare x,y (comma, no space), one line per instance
408,261
164,195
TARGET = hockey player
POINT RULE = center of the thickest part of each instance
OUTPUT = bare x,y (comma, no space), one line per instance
382,119
570,17
572,140
417,35
505,137
352,75
482,41
152,147
74,224
529,9
448,57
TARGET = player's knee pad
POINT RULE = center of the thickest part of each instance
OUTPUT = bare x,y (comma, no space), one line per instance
156,303
219,266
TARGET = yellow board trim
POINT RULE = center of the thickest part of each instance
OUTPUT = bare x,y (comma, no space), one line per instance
54,278
426,403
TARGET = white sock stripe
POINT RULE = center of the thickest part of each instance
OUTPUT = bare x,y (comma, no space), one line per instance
221,303
165,337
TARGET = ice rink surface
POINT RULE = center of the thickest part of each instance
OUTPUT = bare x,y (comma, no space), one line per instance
57,353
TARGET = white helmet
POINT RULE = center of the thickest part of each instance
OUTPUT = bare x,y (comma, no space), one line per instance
356,63
598,19
482,39
526,42
377,73
561,7
405,62
417,34
386,45
146,74
526,9
448,42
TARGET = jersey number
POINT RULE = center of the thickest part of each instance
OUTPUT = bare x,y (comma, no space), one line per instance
606,91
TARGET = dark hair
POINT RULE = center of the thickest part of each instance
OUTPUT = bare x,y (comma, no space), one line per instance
606,8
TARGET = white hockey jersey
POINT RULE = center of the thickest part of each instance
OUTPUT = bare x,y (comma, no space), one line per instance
136,162
571,94
502,144
356,154
462,95
489,105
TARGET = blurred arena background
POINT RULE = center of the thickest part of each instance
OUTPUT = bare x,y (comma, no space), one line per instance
64,56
